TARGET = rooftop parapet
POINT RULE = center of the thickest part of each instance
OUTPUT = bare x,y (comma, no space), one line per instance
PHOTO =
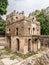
14,13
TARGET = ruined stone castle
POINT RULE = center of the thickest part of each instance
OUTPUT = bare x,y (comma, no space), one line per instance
19,32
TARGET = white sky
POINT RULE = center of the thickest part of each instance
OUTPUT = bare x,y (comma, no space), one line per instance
26,5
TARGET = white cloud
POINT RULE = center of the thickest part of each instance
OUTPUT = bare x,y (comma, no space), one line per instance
26,5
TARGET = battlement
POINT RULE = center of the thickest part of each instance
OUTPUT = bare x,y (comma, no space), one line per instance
14,13
32,16
14,17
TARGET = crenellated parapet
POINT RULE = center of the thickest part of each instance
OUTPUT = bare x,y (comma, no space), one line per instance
14,17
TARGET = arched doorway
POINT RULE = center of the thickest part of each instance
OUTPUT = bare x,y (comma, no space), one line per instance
35,44
29,45
18,44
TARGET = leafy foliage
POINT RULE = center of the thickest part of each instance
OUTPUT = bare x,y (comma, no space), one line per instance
3,6
43,18
2,26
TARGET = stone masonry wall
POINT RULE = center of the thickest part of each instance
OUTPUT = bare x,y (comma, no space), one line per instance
2,41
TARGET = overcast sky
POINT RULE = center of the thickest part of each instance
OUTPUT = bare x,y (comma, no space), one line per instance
26,5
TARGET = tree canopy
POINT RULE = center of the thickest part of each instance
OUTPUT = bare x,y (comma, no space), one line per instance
3,7
3,10
43,18
2,26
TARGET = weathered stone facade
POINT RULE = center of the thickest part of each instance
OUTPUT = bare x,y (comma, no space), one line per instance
20,31
2,41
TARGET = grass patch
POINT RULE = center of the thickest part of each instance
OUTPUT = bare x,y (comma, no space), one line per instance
7,51
13,57
24,56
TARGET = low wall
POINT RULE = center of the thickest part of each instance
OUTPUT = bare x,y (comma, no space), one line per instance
44,41
2,41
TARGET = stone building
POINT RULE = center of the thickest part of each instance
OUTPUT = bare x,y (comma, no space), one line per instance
19,32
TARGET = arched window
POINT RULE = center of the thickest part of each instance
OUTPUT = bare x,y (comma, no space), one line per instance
32,18
16,31
16,17
29,30
33,30
9,29
36,39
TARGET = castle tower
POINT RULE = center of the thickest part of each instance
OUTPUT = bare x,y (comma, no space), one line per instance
19,32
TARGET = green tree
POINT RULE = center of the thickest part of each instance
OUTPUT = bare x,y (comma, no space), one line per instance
37,12
43,18
3,7
2,26
3,10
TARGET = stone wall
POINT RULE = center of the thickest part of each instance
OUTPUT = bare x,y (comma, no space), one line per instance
2,41
24,24
44,40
